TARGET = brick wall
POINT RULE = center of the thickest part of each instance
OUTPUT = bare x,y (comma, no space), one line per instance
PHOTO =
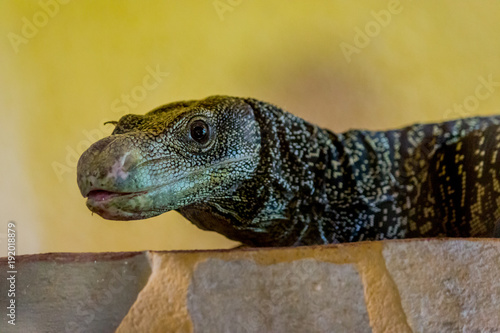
449,285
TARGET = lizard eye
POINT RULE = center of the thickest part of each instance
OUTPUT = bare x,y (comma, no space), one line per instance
200,131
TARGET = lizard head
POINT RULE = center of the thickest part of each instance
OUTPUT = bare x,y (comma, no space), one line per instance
177,155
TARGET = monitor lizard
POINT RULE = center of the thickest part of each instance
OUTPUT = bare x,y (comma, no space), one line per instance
262,176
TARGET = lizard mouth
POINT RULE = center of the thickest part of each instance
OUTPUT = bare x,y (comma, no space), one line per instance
103,195
115,205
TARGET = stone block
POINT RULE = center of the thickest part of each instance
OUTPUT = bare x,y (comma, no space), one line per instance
439,285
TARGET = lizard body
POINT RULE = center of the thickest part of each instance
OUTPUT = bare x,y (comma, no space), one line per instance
262,176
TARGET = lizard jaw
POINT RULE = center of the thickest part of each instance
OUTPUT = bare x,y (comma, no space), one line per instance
120,206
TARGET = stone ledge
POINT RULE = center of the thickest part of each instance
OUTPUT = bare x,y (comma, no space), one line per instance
439,285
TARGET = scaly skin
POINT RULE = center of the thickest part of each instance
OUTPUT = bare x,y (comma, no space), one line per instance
262,176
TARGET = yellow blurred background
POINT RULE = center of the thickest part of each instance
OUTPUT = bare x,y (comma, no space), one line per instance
67,66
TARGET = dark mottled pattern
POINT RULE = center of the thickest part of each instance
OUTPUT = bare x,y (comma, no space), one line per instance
311,186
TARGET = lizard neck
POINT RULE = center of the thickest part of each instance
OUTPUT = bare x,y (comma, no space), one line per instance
314,186
291,188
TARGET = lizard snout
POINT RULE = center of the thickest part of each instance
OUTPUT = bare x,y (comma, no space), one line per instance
108,165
